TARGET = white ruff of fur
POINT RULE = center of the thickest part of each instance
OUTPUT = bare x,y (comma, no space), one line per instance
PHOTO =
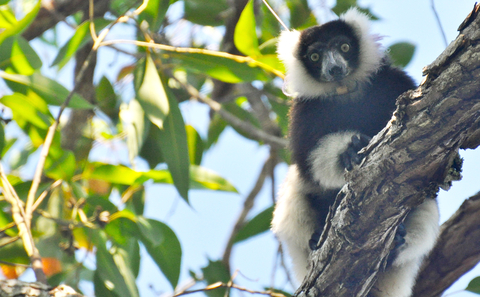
300,83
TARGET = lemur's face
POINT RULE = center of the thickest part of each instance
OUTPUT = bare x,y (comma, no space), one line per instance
329,52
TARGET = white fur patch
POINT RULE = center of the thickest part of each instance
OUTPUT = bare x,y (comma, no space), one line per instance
370,53
299,82
294,221
325,159
422,231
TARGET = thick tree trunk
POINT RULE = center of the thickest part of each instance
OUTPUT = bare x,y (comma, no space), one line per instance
405,162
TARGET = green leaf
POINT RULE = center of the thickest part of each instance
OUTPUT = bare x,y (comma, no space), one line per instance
81,37
221,68
60,167
215,128
135,125
245,36
29,109
117,174
205,12
163,246
113,267
101,286
151,94
2,138
214,272
474,285
174,147
151,147
50,91
202,178
107,99
16,28
16,52
154,13
255,226
195,145
300,14
343,5
401,53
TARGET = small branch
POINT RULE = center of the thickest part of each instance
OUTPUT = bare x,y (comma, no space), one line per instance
439,23
247,206
246,127
230,285
20,219
452,256
237,58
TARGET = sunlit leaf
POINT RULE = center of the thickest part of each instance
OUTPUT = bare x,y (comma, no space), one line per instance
163,246
259,224
79,39
19,26
154,13
48,89
401,53
60,167
220,68
151,94
135,125
205,12
7,17
202,178
195,145
117,174
245,36
16,52
28,109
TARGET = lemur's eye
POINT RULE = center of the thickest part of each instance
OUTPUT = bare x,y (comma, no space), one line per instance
314,57
345,47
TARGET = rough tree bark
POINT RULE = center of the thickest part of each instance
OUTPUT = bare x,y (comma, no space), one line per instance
406,161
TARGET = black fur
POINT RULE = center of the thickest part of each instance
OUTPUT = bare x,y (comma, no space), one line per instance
321,39
366,111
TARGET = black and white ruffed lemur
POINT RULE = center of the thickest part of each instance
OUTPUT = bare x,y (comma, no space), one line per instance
344,90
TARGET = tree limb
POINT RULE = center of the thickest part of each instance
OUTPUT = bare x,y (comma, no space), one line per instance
407,161
456,252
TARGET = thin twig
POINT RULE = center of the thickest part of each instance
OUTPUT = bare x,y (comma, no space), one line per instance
230,285
276,15
9,241
45,193
237,58
246,127
247,206
20,218
439,23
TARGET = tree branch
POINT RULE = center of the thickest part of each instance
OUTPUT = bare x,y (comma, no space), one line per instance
405,162
456,252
